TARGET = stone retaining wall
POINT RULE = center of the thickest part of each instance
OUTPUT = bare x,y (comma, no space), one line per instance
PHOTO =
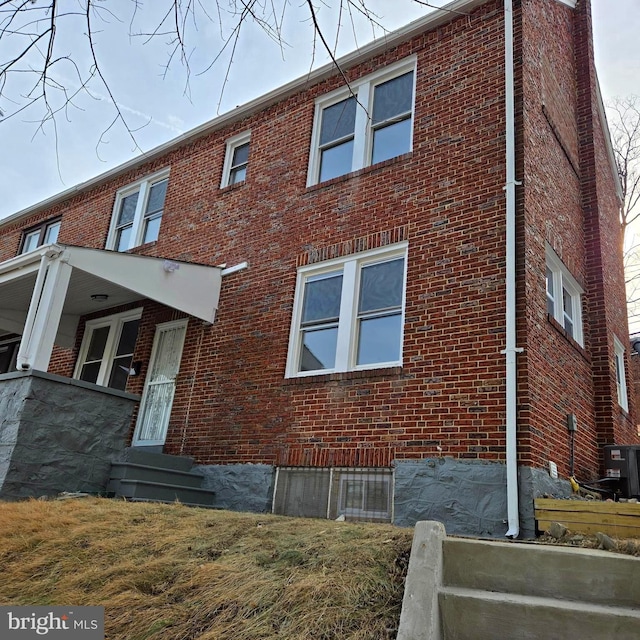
58,434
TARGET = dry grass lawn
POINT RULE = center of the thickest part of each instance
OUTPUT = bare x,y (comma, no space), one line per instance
176,573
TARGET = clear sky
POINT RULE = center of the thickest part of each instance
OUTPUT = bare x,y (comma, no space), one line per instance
35,163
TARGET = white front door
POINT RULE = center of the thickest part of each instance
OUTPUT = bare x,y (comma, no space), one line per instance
160,385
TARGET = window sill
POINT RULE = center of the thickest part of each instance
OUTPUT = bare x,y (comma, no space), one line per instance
561,330
233,187
140,248
345,375
360,172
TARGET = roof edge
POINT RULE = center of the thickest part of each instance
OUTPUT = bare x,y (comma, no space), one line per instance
611,156
432,20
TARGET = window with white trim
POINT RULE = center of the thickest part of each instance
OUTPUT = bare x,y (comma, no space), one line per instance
363,124
564,296
621,375
45,233
349,313
236,160
8,353
106,352
138,212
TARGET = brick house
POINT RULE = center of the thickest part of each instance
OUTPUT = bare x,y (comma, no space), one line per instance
385,300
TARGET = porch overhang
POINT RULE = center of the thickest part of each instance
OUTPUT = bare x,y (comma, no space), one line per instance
44,293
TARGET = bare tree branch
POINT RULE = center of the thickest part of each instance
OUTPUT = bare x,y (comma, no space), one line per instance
623,115
46,70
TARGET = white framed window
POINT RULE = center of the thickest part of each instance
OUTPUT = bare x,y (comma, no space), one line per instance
366,123
349,313
564,296
236,159
45,233
8,353
137,212
106,352
621,373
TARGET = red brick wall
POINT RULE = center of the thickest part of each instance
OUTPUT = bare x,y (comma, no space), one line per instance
446,198
555,370
448,398
569,202
603,250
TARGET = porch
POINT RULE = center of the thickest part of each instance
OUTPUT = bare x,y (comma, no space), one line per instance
62,434
45,292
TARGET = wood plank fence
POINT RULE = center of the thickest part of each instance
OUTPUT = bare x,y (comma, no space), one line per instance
616,519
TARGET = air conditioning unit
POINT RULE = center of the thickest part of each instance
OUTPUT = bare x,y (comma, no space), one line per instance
622,465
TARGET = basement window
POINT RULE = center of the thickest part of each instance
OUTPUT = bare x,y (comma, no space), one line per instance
564,296
356,494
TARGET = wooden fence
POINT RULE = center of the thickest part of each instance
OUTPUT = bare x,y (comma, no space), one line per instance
617,519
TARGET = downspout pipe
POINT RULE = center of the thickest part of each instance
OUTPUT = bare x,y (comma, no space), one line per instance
511,350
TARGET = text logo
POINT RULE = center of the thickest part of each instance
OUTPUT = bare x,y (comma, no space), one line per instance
53,623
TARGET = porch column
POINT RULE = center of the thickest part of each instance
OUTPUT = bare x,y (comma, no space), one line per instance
45,312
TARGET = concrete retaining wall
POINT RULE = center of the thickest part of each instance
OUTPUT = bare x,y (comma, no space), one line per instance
58,434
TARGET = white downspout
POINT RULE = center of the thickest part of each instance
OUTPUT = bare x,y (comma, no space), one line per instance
510,350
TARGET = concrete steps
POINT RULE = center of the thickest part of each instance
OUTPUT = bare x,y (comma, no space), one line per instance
459,589
546,571
484,615
148,476
138,455
130,471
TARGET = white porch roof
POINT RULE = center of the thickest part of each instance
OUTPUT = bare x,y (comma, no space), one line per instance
54,285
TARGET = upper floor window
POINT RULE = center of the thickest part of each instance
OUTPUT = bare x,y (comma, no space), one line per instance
348,313
236,160
45,233
621,374
106,352
366,123
564,296
138,212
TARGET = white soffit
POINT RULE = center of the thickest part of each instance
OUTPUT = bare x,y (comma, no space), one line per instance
192,288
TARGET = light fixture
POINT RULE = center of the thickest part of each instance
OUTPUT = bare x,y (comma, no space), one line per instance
99,296
170,266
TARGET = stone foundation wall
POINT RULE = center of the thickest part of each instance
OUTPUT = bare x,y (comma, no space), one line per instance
58,434
468,497
240,487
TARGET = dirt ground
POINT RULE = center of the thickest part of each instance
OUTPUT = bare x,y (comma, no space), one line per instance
628,546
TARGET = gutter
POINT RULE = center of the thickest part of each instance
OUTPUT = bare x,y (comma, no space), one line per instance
511,350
